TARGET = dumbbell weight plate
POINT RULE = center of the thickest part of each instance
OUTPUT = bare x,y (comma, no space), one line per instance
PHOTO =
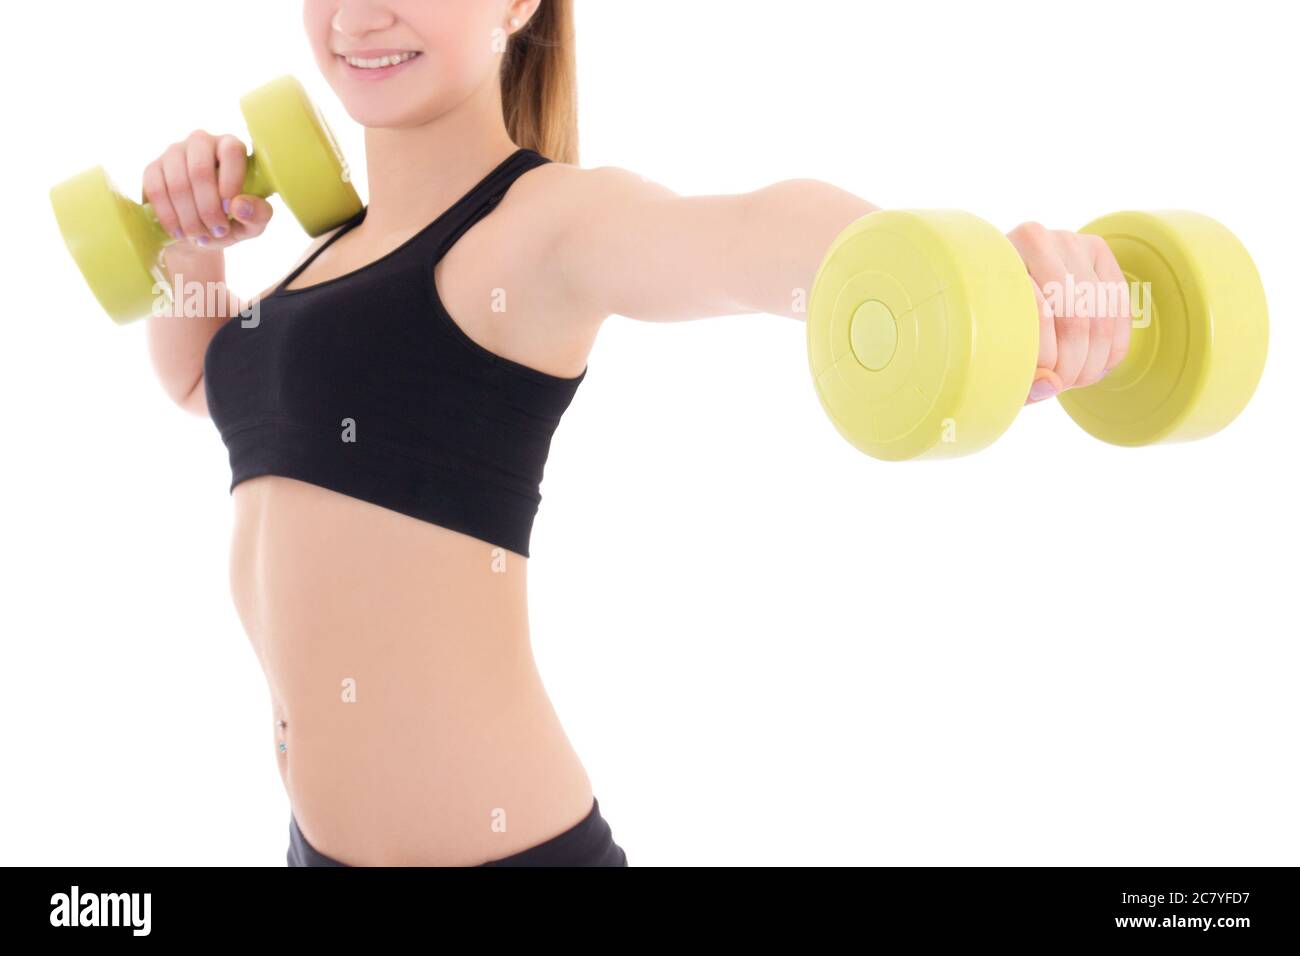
117,243
1197,354
296,154
922,334
114,242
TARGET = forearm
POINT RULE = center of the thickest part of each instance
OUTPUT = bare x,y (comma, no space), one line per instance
787,229
178,338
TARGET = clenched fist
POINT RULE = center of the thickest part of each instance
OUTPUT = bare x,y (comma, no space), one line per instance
1084,307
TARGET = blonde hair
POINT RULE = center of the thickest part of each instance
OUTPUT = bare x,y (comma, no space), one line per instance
539,83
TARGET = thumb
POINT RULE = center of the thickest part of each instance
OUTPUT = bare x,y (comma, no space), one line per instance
1046,385
253,212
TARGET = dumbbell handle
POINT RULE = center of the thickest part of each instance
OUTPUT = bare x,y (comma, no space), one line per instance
256,183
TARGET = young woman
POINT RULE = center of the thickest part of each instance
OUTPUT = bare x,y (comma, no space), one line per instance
388,415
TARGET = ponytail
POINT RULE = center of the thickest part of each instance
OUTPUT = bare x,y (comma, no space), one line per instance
539,84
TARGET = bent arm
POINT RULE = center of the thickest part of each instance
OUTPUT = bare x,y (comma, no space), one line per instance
177,341
639,250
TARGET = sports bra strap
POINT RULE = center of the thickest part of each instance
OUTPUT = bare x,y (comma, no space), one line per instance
346,227
437,238
447,229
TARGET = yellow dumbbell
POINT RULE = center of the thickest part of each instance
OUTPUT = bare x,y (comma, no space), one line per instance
923,333
118,243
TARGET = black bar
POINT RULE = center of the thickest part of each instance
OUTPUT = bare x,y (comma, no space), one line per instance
1225,907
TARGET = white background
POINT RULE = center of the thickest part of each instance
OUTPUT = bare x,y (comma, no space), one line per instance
766,647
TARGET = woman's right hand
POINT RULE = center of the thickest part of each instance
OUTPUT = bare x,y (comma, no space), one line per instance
194,188
1081,345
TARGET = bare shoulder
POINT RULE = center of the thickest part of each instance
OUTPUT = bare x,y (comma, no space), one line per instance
569,204
576,217
612,182
572,195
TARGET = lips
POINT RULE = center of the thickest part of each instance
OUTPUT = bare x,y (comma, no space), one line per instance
378,60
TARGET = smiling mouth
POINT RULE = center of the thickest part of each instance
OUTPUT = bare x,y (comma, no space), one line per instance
378,63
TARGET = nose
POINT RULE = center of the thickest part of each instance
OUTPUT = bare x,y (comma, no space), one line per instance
356,18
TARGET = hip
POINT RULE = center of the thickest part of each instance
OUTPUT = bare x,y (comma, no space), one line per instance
412,768
589,842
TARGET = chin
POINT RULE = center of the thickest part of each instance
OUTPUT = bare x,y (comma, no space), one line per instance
389,114
397,100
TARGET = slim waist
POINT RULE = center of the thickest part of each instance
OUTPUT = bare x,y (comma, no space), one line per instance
590,842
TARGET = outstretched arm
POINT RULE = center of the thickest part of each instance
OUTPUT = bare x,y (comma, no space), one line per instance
637,249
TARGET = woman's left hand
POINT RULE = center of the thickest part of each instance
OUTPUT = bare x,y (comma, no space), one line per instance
1084,310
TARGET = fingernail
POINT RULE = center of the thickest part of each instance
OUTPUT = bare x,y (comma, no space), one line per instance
243,209
178,233
203,240
225,206
219,231
1041,390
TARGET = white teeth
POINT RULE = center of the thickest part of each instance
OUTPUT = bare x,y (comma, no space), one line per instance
380,62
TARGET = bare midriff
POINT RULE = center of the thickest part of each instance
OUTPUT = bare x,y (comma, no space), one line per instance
408,716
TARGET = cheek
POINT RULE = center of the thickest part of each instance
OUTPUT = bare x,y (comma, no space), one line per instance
463,53
465,35
317,16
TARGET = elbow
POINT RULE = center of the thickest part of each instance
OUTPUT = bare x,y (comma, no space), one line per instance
189,396
787,232
178,367
195,399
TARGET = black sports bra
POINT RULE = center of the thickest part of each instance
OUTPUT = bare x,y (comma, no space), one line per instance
365,385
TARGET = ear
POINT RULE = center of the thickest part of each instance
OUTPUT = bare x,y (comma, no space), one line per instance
519,13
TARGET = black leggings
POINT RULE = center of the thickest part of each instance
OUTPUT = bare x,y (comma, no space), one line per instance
589,843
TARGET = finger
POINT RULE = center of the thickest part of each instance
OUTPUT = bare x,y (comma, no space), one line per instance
176,174
1071,346
1090,302
1041,253
154,190
232,167
1101,331
1046,328
1073,324
1046,346
201,163
251,215
1119,301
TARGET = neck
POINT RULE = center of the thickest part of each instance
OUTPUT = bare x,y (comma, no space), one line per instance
415,174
